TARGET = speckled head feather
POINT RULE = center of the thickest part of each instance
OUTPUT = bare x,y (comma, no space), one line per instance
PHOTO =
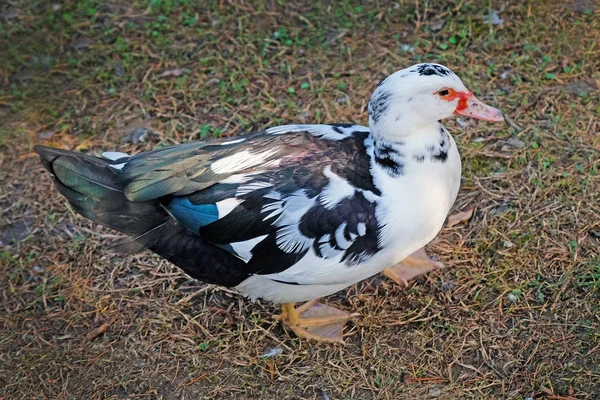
405,101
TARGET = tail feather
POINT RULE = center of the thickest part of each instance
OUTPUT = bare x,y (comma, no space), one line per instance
49,154
94,191
90,177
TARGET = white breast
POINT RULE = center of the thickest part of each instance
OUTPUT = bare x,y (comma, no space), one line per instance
415,207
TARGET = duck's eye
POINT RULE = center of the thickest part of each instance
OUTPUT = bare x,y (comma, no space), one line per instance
444,92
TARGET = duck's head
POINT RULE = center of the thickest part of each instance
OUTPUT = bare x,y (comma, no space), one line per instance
417,97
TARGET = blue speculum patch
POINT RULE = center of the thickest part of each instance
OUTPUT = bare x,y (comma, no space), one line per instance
193,216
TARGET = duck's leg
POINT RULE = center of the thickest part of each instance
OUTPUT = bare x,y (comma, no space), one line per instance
417,264
316,321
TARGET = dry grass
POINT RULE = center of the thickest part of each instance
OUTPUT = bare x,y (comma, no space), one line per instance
514,316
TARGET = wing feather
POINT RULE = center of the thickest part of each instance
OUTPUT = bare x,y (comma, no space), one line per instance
289,191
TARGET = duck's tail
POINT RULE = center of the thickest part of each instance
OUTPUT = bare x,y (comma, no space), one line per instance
92,187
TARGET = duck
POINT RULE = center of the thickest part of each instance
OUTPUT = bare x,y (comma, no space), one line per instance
295,212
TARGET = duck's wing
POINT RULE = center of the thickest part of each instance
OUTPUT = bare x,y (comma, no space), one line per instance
272,198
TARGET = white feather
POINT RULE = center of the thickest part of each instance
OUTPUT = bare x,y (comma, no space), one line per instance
233,142
117,167
289,238
224,207
327,251
240,178
243,249
273,209
251,187
273,194
340,239
327,132
114,155
337,190
241,161
361,228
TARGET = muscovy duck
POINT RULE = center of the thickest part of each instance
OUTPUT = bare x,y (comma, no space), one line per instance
295,212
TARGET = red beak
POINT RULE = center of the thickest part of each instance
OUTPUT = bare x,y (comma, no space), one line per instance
473,107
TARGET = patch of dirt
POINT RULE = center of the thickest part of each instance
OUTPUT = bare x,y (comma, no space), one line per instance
580,87
15,232
582,6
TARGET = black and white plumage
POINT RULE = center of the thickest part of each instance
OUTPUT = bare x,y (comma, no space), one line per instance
292,213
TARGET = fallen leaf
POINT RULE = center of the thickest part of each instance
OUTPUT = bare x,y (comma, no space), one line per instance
173,72
94,333
462,216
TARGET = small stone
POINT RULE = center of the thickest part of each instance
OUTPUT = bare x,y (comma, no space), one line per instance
81,43
11,13
118,69
173,72
342,99
435,392
516,143
304,117
493,18
464,123
138,135
25,74
56,7
46,135
507,73
437,25
512,298
37,268
508,244
446,286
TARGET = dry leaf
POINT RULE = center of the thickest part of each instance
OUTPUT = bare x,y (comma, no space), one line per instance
94,333
462,216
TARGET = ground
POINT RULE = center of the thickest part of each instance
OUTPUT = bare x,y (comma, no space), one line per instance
515,315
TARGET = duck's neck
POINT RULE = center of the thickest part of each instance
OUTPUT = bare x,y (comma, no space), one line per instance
390,155
403,127
426,143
